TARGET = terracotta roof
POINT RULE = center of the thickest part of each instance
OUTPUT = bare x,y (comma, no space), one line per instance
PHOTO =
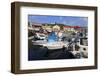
71,26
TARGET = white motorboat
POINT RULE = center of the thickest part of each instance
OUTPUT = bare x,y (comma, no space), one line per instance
50,45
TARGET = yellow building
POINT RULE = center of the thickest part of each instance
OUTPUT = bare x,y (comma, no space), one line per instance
56,28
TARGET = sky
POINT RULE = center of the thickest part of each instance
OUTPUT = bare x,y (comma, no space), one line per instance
66,20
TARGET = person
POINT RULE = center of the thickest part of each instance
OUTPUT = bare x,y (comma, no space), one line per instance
81,34
59,34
